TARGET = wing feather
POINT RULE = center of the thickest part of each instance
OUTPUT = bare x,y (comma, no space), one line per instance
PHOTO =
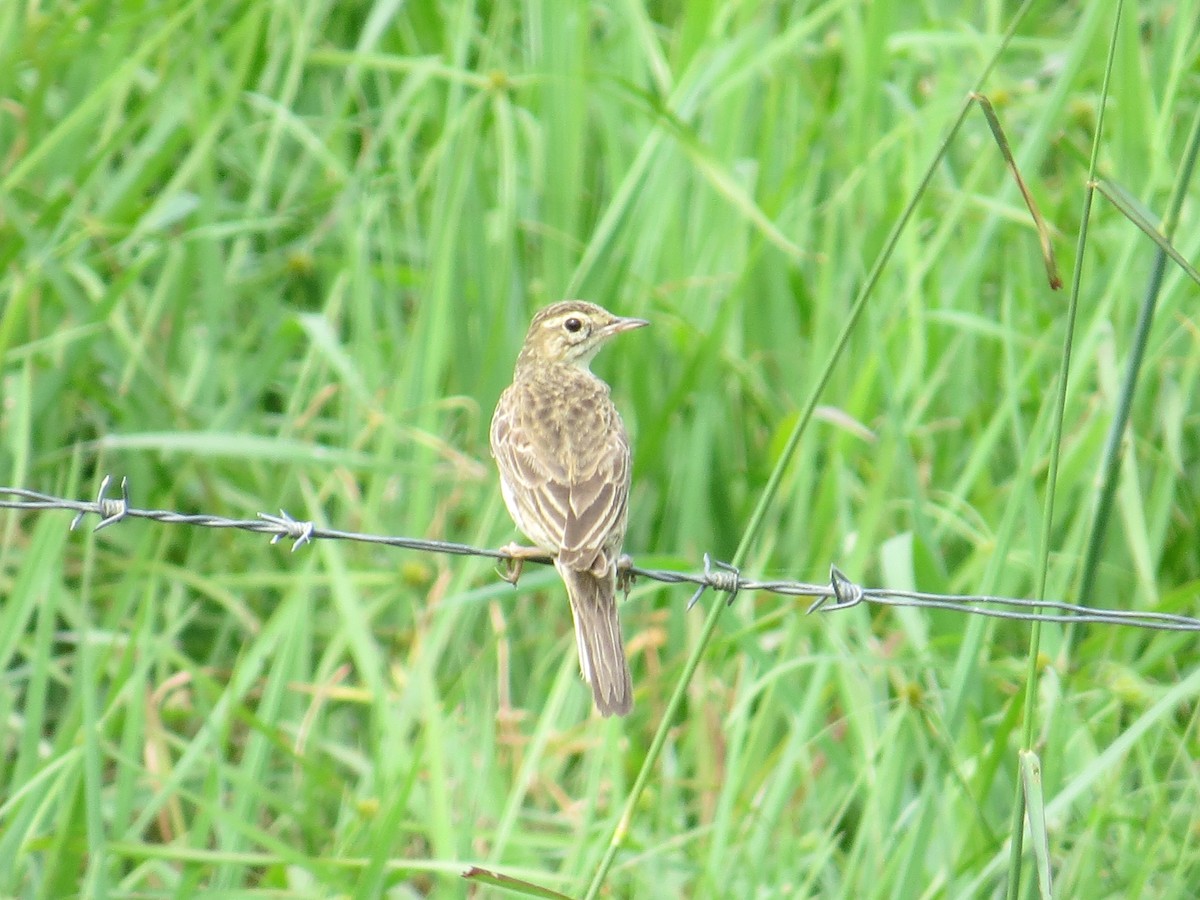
595,523
566,494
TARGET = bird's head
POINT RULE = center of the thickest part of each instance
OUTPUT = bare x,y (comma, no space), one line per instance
572,332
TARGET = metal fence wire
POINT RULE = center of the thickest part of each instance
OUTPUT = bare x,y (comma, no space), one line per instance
840,593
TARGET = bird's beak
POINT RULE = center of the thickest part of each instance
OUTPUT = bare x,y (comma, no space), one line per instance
621,323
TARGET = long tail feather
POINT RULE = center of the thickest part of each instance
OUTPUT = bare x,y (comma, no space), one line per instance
598,634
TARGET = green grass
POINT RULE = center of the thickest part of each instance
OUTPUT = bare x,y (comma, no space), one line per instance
282,254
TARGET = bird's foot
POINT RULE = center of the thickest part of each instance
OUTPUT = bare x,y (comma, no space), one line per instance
625,574
515,562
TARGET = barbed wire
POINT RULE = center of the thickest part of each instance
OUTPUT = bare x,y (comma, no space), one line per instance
839,594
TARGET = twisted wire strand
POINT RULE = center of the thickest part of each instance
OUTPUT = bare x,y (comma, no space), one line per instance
839,593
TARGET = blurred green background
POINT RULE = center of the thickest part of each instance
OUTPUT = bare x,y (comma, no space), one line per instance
283,253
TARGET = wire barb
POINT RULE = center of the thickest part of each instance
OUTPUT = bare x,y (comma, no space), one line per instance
845,593
300,533
110,511
728,580
717,575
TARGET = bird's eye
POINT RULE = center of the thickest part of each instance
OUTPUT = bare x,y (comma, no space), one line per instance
573,325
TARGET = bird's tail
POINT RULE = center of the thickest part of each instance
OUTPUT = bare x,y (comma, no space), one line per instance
598,634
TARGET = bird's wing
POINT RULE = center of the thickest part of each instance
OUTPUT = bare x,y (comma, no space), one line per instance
599,495
537,482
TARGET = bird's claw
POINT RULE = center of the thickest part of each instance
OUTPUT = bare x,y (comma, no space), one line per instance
625,574
514,561
510,570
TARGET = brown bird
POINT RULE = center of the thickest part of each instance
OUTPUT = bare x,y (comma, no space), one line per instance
563,456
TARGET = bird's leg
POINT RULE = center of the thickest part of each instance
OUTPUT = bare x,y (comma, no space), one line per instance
517,554
625,574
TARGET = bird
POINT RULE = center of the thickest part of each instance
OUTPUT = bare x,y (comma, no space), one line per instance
563,455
